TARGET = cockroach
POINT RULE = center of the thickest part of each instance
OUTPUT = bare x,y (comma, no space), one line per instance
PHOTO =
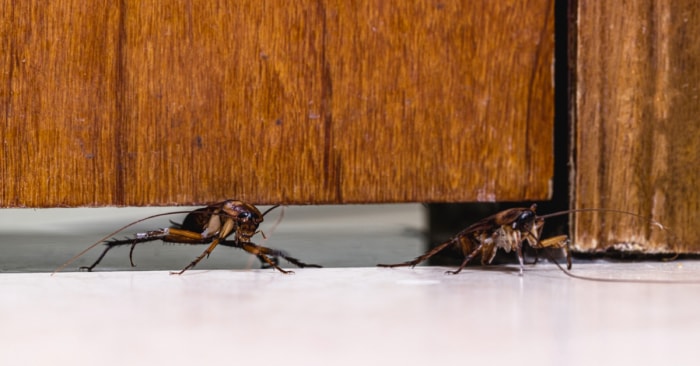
505,230
211,225
508,230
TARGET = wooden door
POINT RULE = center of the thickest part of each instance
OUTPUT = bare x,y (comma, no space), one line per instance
329,101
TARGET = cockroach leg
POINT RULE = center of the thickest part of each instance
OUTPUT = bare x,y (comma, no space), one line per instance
109,245
206,253
266,253
561,242
421,258
99,259
466,260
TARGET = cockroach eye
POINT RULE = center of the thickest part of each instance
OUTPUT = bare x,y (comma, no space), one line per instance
524,221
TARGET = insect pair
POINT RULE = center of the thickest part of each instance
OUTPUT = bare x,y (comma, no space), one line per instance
215,224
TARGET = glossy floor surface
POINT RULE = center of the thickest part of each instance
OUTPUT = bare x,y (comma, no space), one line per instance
353,316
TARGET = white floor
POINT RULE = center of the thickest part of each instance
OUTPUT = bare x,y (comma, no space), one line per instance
349,314
352,316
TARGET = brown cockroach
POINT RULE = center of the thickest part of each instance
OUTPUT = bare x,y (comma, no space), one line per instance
208,225
505,230
508,230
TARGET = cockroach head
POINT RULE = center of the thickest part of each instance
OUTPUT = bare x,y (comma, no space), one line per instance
526,220
243,212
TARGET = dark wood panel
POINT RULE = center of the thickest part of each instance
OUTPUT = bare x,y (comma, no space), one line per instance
638,71
302,102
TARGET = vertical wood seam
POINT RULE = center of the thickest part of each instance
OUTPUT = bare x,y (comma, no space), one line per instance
120,106
572,64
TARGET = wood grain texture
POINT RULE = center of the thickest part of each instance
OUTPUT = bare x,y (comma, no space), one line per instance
58,96
638,80
173,102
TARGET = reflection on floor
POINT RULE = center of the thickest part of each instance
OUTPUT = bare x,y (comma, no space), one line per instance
353,316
